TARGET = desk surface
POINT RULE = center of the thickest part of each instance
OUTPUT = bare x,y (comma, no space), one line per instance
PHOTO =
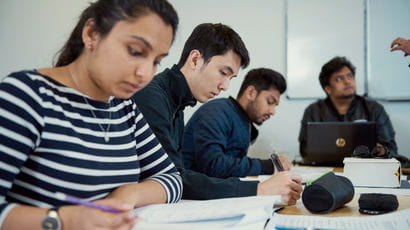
350,209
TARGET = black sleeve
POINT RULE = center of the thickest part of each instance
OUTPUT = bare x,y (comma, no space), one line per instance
198,186
385,131
153,103
303,132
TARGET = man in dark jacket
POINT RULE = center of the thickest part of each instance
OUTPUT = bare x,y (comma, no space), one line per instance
218,135
337,78
211,57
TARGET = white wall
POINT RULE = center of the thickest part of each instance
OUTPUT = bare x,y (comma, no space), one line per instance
31,32
261,25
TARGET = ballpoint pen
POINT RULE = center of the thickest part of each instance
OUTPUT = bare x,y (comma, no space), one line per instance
76,200
276,161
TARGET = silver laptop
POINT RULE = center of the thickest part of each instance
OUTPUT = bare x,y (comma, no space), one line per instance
328,143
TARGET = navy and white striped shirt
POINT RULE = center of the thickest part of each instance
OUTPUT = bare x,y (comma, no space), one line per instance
50,141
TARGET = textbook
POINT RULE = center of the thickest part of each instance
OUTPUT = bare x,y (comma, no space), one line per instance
229,213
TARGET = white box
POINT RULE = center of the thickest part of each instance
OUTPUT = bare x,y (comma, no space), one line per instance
372,172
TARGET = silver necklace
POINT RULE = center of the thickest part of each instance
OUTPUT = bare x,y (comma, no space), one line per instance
105,131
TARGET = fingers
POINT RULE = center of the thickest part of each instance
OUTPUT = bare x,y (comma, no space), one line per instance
288,176
293,189
395,42
86,218
285,183
296,189
296,178
398,47
289,199
401,44
126,223
292,193
123,220
108,220
286,163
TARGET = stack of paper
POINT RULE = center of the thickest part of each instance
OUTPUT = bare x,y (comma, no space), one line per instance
395,220
231,213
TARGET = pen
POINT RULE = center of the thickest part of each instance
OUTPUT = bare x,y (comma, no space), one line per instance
76,200
276,161
300,228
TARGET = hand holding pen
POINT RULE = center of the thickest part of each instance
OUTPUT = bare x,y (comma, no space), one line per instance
281,163
114,215
76,200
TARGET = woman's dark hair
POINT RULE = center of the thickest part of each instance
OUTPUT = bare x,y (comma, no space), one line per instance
106,13
212,40
333,66
263,79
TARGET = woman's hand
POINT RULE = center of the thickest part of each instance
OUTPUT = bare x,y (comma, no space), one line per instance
80,217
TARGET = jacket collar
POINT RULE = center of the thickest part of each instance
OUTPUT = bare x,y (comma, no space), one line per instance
240,110
357,99
253,130
179,89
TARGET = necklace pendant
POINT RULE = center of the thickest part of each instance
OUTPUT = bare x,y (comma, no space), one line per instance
106,138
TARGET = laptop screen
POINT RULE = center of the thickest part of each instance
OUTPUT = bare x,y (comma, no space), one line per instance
330,142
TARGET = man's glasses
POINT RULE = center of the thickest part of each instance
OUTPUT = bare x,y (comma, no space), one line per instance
379,151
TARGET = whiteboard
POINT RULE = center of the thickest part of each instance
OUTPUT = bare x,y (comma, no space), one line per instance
316,31
389,72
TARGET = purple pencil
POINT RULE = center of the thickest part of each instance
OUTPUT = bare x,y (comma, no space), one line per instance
76,200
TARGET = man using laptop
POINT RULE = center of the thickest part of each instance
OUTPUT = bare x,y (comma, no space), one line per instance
211,57
337,79
217,137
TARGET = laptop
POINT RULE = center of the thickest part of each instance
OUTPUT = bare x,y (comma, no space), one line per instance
328,143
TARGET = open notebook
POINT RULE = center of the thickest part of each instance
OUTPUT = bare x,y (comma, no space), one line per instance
230,213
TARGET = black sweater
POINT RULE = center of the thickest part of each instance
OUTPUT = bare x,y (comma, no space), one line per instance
163,102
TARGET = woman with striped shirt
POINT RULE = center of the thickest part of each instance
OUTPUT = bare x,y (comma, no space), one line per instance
73,128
